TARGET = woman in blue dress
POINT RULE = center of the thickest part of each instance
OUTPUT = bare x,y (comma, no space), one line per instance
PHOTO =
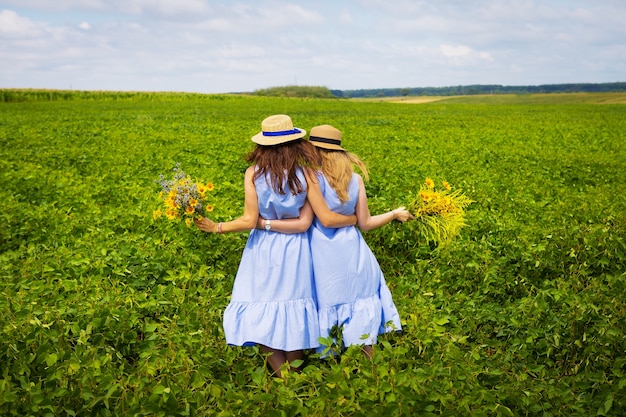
350,287
273,299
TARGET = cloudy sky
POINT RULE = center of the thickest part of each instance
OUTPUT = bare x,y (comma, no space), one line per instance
216,46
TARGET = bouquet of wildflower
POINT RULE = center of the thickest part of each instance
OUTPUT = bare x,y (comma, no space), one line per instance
439,212
184,199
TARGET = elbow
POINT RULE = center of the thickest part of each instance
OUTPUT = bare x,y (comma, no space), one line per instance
328,224
249,223
365,227
304,228
300,227
325,220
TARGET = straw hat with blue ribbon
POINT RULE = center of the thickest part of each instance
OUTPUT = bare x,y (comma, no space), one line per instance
277,129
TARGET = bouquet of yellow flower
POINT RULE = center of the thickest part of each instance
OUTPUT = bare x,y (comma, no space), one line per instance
184,199
439,212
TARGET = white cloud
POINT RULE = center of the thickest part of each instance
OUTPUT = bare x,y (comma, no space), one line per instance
165,9
13,26
486,56
346,17
464,55
215,46
57,5
455,51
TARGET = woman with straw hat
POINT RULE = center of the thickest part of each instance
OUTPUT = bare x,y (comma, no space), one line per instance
350,287
272,303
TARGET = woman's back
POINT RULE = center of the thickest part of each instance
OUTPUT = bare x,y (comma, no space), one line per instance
332,199
350,287
344,267
273,205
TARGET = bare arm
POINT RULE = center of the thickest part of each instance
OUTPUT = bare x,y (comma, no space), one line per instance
327,217
298,225
250,212
368,222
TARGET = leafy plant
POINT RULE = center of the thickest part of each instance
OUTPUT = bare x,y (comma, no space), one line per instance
106,311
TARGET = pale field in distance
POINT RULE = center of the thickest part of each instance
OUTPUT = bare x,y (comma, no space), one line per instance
548,98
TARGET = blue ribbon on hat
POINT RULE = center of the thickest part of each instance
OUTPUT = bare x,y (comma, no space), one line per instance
282,132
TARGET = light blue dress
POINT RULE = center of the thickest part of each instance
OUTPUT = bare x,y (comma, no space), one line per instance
273,299
350,286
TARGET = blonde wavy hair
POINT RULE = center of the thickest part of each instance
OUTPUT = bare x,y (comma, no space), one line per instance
338,167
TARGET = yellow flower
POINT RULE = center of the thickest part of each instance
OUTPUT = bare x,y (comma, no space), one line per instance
188,222
209,208
426,195
446,185
430,183
183,188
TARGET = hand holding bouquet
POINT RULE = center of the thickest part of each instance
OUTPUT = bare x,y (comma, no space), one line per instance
184,199
439,212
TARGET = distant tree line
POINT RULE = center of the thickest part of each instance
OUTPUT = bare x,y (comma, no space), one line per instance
16,95
27,94
463,90
296,91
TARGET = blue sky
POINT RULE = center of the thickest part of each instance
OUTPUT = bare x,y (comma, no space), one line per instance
212,46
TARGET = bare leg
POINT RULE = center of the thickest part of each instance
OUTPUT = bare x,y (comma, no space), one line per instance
294,355
275,359
369,351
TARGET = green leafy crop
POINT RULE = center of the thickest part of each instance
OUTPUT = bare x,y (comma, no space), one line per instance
107,311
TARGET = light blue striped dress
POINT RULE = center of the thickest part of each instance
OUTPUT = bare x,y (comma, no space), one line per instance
273,299
350,287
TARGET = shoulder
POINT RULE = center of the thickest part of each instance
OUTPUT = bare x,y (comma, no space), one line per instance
250,170
249,175
360,184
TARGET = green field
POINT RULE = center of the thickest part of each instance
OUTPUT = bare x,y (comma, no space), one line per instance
105,311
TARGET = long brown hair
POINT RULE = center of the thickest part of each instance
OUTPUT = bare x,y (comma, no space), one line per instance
284,158
338,167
